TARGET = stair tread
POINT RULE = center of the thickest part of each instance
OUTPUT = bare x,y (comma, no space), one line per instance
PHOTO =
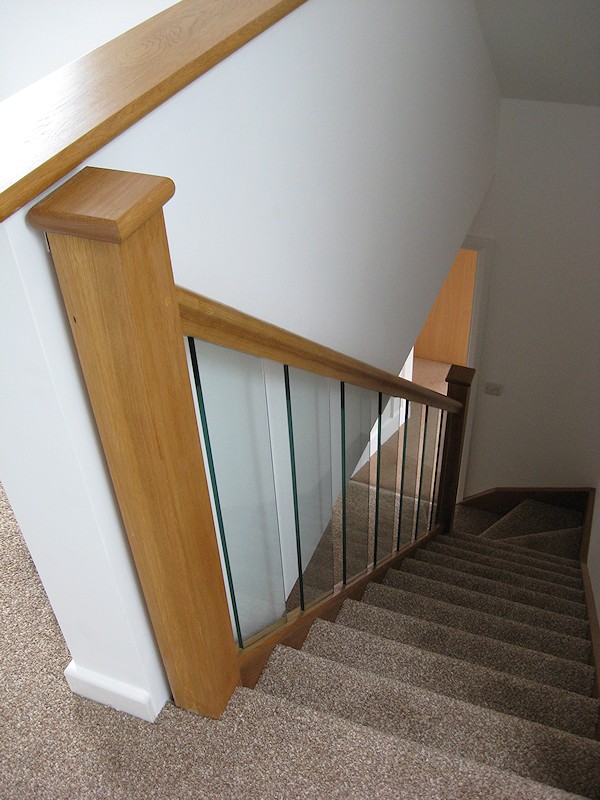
431,586
452,677
448,545
512,659
564,542
322,755
478,622
502,575
567,565
460,729
496,589
532,516
473,520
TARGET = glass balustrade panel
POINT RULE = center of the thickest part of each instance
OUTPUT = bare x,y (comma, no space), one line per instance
427,468
410,434
233,393
438,464
387,498
359,417
309,400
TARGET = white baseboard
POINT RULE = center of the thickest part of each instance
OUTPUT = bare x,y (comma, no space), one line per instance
110,692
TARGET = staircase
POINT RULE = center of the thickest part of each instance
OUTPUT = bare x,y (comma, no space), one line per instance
465,673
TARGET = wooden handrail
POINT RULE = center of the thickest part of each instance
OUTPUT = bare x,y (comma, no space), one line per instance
220,324
53,125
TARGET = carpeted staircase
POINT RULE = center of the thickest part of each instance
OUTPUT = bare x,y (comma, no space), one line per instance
465,674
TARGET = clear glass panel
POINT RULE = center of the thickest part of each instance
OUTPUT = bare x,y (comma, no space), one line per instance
428,458
438,464
389,478
410,465
233,391
311,427
360,413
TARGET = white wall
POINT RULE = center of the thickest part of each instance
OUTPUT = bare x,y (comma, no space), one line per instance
38,37
331,166
542,323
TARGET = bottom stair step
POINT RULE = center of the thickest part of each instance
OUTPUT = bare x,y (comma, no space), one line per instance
534,665
316,755
458,729
454,678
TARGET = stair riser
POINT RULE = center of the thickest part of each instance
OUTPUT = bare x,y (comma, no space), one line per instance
556,561
459,729
492,653
500,575
479,623
447,546
495,589
454,678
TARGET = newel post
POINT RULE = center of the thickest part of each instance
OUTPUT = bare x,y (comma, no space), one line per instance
459,381
108,242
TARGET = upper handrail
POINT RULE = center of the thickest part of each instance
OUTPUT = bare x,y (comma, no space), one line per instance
220,324
53,125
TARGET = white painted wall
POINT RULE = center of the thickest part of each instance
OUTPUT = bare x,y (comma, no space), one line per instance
38,37
542,322
332,166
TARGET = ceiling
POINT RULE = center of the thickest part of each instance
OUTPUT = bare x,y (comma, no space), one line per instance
544,49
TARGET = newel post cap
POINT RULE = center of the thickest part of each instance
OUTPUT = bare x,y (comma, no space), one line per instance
103,204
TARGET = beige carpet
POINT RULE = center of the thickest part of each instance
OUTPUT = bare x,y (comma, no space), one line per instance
55,745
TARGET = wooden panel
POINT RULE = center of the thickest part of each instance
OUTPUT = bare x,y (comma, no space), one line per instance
53,125
445,335
214,322
503,499
123,313
594,631
459,387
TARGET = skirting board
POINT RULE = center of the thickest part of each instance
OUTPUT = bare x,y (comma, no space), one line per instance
110,692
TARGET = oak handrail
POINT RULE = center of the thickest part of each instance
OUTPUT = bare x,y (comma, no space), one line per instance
220,324
53,125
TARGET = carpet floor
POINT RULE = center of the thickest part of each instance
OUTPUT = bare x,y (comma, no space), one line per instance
411,693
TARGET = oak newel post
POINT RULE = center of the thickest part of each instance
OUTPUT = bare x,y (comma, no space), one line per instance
459,381
108,242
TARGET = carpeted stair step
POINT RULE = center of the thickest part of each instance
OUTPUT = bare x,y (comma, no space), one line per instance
531,516
459,729
447,546
501,574
522,662
473,520
477,621
452,677
414,579
500,549
564,542
314,755
499,589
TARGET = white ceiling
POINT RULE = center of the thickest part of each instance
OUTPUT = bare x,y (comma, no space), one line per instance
544,49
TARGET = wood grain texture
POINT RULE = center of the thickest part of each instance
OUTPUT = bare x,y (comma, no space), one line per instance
121,305
220,324
594,631
295,630
445,335
105,205
53,125
502,499
459,388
